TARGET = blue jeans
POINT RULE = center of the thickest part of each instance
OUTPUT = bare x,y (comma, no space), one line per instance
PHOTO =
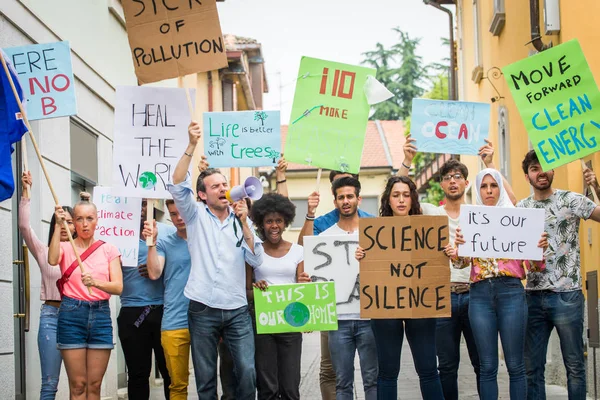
447,336
563,311
353,335
498,306
207,325
389,335
50,358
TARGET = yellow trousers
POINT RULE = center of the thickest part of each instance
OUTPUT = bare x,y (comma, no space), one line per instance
176,347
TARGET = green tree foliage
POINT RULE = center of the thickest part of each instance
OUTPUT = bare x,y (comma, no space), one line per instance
439,91
435,194
402,71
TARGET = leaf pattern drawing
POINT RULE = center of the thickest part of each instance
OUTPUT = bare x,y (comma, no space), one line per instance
564,211
217,142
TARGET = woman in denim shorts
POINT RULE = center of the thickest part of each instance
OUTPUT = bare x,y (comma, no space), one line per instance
84,334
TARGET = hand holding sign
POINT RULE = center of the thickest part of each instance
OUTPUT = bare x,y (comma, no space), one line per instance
410,150
313,203
261,285
150,231
359,253
194,133
486,152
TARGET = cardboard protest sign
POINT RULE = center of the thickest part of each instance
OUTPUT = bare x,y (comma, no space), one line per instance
329,115
405,272
150,137
559,103
175,38
119,223
501,232
242,138
46,75
298,307
331,258
455,127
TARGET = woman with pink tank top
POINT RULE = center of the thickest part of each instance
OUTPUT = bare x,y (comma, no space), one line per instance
84,333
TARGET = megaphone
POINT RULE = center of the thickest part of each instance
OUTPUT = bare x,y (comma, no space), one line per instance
251,188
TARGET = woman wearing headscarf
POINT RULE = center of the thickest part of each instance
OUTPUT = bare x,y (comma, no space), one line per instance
497,300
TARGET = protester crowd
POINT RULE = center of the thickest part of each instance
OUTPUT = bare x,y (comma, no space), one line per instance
192,293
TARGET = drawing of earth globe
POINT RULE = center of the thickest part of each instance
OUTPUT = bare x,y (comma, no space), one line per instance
147,180
296,314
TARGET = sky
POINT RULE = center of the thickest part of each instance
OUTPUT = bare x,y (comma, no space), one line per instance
336,30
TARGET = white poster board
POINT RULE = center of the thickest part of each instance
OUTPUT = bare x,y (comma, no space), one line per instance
500,232
331,258
119,223
150,137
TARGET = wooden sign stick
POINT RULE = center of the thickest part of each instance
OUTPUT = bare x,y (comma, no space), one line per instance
182,84
24,154
39,156
319,179
584,166
150,219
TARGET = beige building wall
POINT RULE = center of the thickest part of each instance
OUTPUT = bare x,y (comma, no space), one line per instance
577,20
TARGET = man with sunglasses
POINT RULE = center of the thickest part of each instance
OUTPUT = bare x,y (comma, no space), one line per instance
454,181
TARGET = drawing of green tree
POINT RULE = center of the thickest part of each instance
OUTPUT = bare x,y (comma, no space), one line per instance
260,116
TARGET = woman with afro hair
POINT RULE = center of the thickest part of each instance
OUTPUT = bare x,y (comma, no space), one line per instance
277,355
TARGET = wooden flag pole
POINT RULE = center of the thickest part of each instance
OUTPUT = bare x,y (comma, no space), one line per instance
318,179
24,154
150,219
39,156
584,166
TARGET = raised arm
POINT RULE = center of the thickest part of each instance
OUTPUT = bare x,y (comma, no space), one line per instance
54,248
155,262
280,178
36,246
309,221
183,166
486,152
410,150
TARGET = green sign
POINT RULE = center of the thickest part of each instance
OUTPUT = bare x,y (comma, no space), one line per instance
559,103
298,307
329,115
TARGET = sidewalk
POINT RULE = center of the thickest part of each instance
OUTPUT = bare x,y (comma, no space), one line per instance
408,382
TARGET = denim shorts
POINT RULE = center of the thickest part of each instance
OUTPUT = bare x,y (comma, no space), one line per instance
84,324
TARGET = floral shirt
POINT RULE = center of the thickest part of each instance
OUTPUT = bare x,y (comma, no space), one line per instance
564,211
485,268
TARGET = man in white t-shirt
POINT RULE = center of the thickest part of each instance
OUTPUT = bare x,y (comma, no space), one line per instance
353,333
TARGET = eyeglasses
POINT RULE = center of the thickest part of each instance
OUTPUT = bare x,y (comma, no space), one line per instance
456,177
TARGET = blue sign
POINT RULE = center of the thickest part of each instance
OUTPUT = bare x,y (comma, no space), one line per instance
453,127
46,75
242,138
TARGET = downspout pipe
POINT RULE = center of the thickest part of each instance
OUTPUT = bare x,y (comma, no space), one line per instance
534,17
452,87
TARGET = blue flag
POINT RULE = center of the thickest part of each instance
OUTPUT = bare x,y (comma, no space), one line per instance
12,128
